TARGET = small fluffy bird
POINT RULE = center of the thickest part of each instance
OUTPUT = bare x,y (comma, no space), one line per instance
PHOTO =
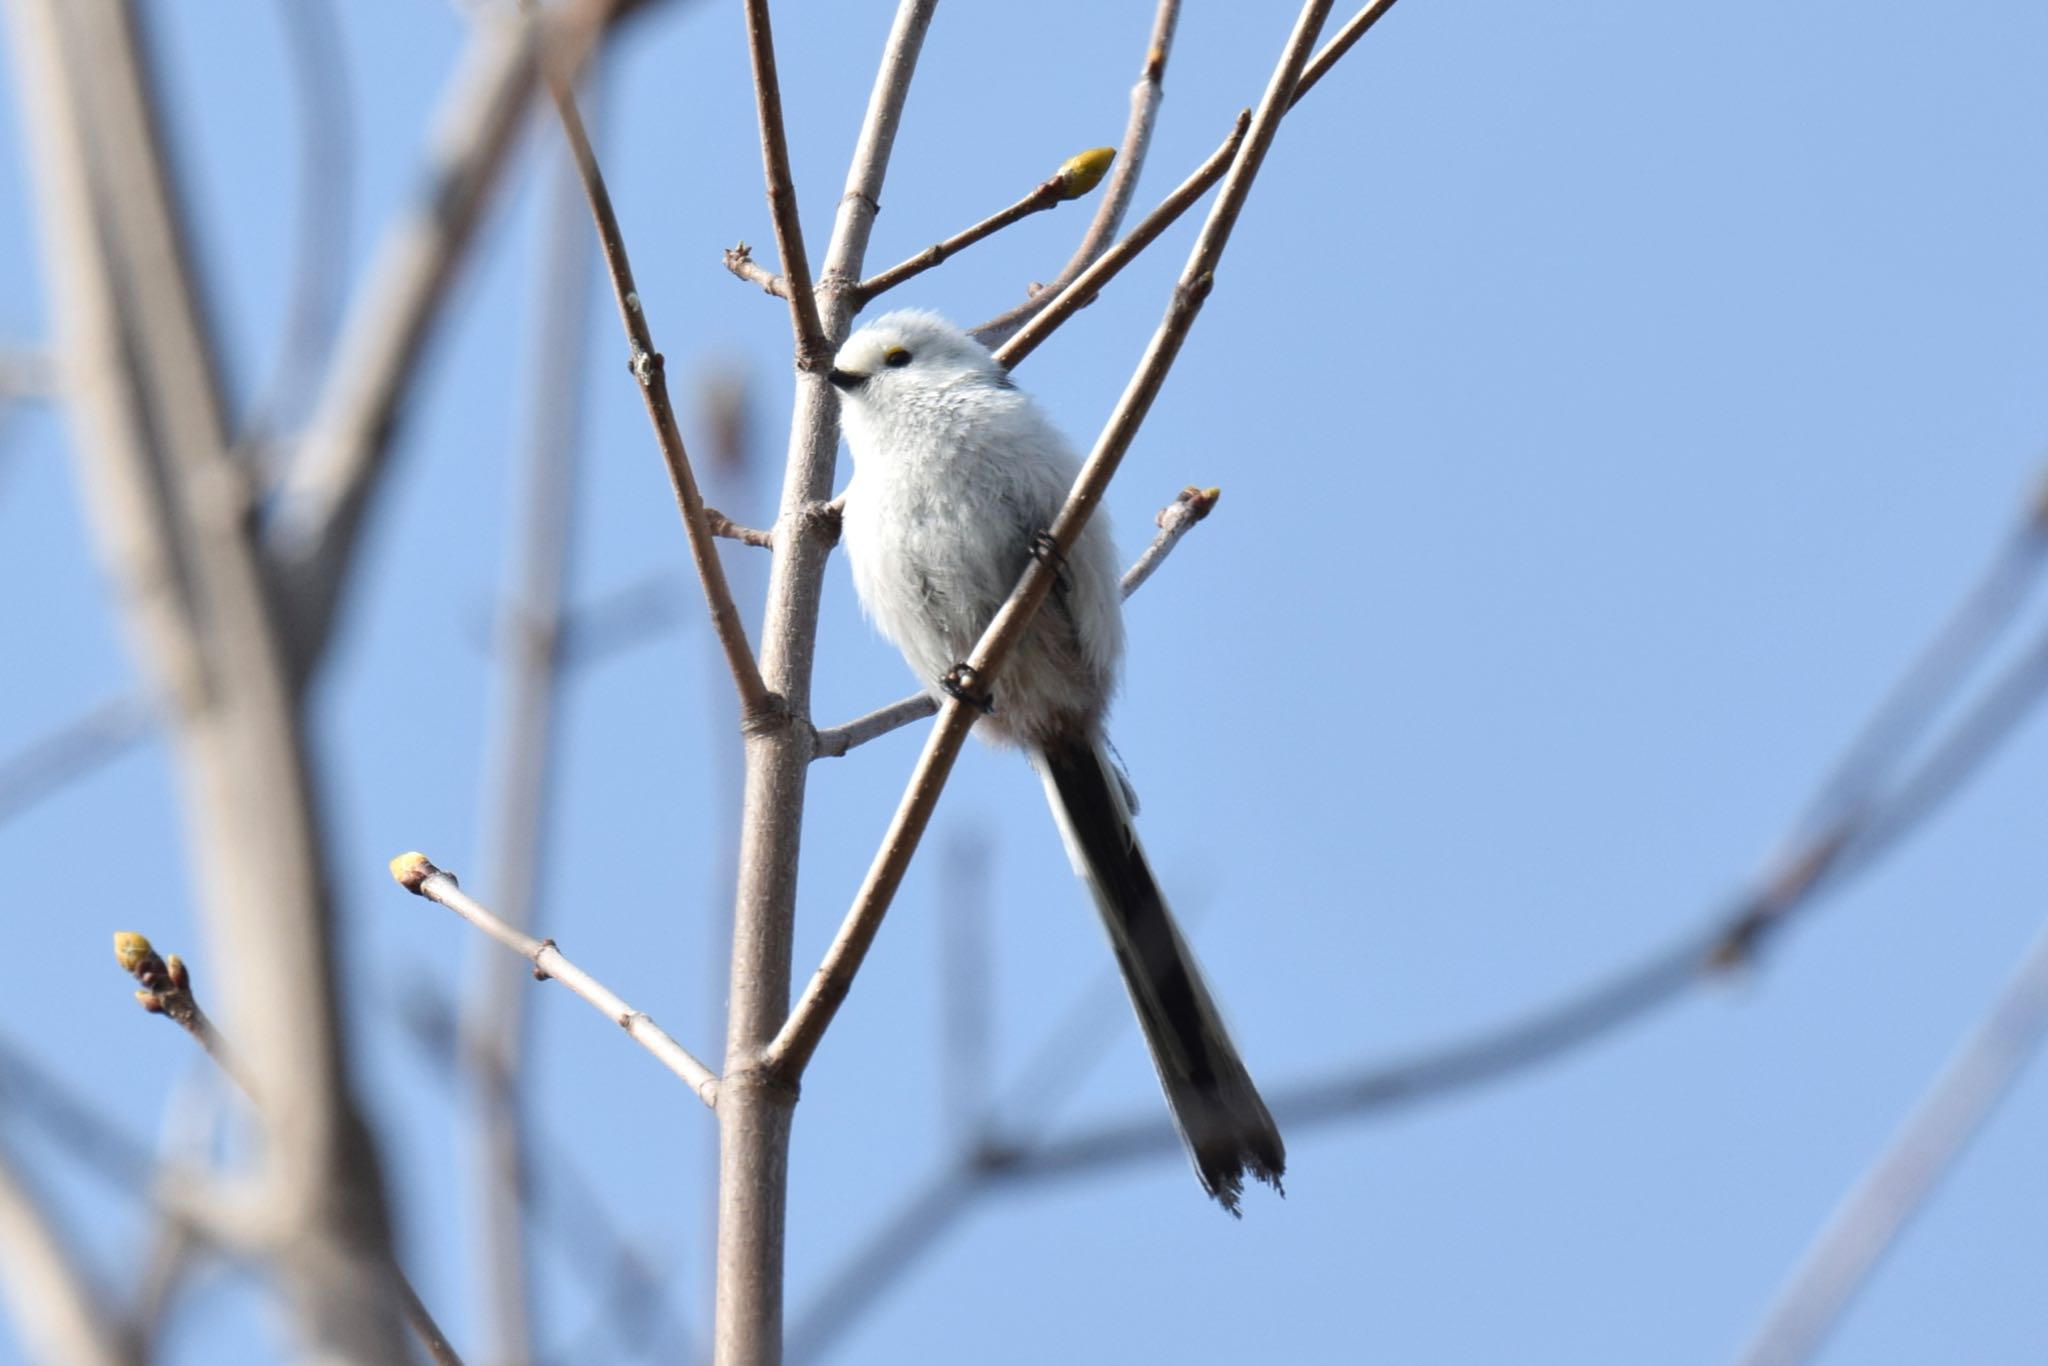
957,476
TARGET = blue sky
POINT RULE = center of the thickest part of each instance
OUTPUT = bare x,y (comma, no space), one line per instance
1608,399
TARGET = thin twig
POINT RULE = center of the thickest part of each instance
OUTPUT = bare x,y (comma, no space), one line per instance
834,741
726,528
799,1037
1869,1219
104,731
757,704
165,988
1059,301
1061,304
420,877
1947,658
739,259
812,351
1175,520
1146,97
1076,177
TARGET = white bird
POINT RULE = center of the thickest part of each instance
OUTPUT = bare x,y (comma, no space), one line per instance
957,476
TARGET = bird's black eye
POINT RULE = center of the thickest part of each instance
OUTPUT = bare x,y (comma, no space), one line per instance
896,358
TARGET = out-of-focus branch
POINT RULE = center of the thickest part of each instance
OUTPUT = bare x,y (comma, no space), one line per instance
420,877
1820,862
799,1037
1175,520
325,184
325,495
564,1207
1146,97
165,493
758,707
1076,177
1872,1215
524,730
62,1316
812,352
166,989
25,374
104,731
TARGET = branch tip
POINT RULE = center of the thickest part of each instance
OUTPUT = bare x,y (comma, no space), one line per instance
131,949
1083,172
411,871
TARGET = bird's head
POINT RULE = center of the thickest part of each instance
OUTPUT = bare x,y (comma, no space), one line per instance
911,352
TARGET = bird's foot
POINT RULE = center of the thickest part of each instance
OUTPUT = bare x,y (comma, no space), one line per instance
1046,551
964,682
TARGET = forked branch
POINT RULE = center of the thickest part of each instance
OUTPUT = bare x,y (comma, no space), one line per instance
795,1042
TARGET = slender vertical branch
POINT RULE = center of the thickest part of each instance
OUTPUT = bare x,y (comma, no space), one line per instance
1874,1212
811,350
755,1106
798,1039
757,705
524,730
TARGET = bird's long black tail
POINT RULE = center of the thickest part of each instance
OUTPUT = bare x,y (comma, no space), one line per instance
1221,1117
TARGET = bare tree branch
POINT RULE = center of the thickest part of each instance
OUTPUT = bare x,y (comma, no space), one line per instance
812,351
137,373
524,732
1875,1211
835,741
799,1037
1175,520
739,259
726,528
1146,97
326,181
756,1107
326,491
757,704
101,733
1076,177
63,1317
420,877
166,989
1021,331
1787,885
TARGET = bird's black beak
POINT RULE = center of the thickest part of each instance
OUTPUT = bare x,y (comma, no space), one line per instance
846,380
